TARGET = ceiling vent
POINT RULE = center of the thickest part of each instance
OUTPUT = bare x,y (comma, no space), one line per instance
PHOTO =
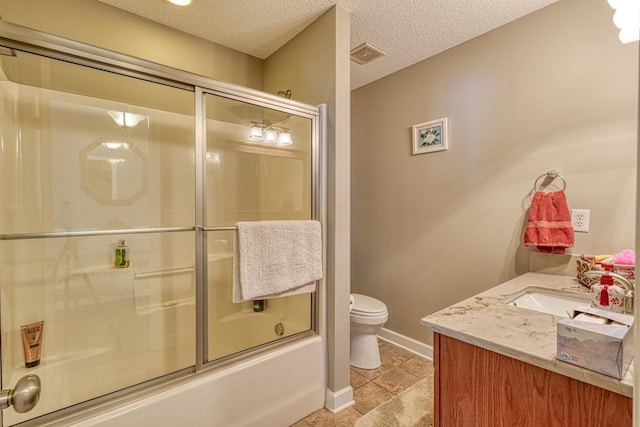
366,53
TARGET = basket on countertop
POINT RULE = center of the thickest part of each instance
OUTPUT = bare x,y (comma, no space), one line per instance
583,264
588,262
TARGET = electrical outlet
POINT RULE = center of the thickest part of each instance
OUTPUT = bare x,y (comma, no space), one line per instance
580,220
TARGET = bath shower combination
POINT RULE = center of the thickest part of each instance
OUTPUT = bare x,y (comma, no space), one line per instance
118,234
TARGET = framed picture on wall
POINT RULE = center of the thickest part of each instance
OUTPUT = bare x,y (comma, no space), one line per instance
430,136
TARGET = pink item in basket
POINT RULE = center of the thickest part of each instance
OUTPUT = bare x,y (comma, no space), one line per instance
626,257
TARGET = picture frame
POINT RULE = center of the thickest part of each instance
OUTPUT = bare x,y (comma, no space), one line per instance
431,136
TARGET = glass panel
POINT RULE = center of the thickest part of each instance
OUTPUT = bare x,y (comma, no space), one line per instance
252,180
72,160
236,327
105,328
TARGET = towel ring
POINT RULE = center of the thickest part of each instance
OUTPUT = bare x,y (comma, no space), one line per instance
552,174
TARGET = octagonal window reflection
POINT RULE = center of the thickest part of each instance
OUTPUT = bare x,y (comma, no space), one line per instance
113,171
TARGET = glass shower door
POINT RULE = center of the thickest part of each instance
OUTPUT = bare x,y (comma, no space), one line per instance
258,166
92,163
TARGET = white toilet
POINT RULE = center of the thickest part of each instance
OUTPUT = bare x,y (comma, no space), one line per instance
368,315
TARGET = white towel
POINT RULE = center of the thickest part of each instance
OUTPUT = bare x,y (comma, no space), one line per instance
274,259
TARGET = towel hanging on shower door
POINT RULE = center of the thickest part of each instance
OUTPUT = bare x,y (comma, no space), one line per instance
274,259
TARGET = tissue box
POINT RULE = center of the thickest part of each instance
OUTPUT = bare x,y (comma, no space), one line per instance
605,348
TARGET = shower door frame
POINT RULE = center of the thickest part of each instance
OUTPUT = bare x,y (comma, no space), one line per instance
35,42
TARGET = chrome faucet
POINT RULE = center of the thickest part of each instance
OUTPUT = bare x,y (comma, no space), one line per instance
627,285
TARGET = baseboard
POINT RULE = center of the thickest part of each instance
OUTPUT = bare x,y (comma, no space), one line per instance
339,400
409,344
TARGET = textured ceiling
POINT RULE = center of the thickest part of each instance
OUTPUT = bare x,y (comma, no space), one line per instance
407,30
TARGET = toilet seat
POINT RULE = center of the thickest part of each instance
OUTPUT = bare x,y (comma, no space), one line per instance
365,306
367,316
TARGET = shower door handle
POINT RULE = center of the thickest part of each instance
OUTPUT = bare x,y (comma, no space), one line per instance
24,396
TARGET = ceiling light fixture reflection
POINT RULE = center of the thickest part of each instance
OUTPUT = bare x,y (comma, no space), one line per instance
255,133
269,134
284,138
114,145
180,2
125,120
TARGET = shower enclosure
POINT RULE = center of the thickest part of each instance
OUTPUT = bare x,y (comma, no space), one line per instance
98,150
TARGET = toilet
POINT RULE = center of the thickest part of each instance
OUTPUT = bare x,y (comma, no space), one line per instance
368,315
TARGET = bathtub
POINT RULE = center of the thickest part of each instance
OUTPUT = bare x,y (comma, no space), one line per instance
273,389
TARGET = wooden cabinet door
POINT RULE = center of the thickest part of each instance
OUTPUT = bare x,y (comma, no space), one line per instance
475,387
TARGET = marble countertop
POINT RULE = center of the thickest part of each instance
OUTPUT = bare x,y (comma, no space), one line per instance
529,336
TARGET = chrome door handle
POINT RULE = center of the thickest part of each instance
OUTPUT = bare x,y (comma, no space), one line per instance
24,396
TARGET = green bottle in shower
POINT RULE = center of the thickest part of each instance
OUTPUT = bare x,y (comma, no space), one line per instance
122,255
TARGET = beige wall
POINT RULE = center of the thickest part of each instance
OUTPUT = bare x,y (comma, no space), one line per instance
111,28
548,91
315,66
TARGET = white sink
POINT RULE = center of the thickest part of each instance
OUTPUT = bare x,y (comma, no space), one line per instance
546,301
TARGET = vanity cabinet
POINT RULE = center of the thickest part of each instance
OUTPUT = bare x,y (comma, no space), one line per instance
480,388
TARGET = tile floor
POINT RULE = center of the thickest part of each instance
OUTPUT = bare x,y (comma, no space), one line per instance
400,370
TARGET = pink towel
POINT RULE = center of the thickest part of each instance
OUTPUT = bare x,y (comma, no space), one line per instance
549,226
